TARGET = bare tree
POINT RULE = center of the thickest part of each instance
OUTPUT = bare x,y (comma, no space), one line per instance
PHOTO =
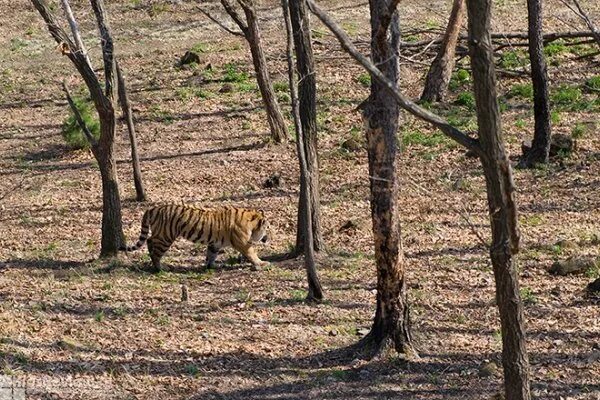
540,147
128,115
251,32
307,94
103,98
501,203
440,72
490,149
315,291
380,112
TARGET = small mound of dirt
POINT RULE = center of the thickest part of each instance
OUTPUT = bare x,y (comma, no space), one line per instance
272,182
573,265
190,57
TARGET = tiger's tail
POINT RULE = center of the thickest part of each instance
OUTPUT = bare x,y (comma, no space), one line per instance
143,234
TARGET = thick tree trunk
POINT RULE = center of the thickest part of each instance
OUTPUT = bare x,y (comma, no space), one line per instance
501,202
128,114
381,112
112,228
279,131
315,291
307,94
540,148
440,72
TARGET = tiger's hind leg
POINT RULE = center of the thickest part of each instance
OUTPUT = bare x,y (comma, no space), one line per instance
212,252
157,249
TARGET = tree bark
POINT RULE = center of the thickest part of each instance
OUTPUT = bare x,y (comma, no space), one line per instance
391,325
440,72
315,291
501,203
540,147
251,32
307,95
128,114
112,228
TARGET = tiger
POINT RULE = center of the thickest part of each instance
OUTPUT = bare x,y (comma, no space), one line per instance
218,228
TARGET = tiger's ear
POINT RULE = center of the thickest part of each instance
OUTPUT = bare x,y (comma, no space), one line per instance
261,212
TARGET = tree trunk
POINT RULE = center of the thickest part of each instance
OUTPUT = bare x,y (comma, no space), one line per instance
440,72
501,203
279,131
112,228
128,114
381,112
540,148
315,291
307,94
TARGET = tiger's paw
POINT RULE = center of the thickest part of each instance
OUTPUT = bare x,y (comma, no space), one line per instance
263,265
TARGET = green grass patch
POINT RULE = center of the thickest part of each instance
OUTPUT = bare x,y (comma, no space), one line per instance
416,137
522,90
566,95
233,74
527,296
72,132
364,79
188,93
593,83
459,79
466,99
514,59
555,48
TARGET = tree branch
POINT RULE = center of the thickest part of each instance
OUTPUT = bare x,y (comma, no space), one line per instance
78,59
548,37
107,47
79,118
580,12
230,9
74,29
219,23
346,43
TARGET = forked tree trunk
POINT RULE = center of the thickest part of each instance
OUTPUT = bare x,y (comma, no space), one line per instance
315,291
440,72
381,112
307,94
540,147
251,32
103,98
140,193
501,203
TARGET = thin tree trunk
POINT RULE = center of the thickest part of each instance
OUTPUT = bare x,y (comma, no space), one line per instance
381,113
251,32
307,92
128,114
440,72
315,291
501,202
540,147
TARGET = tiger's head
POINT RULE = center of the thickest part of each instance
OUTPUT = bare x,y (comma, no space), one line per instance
260,227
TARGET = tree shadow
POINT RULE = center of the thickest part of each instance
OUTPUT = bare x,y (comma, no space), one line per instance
44,263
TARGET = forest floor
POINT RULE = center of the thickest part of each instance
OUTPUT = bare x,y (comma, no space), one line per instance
72,327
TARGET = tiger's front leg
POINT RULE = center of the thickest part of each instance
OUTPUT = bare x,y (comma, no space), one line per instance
250,253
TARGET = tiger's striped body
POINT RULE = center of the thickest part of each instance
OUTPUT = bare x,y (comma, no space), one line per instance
219,227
